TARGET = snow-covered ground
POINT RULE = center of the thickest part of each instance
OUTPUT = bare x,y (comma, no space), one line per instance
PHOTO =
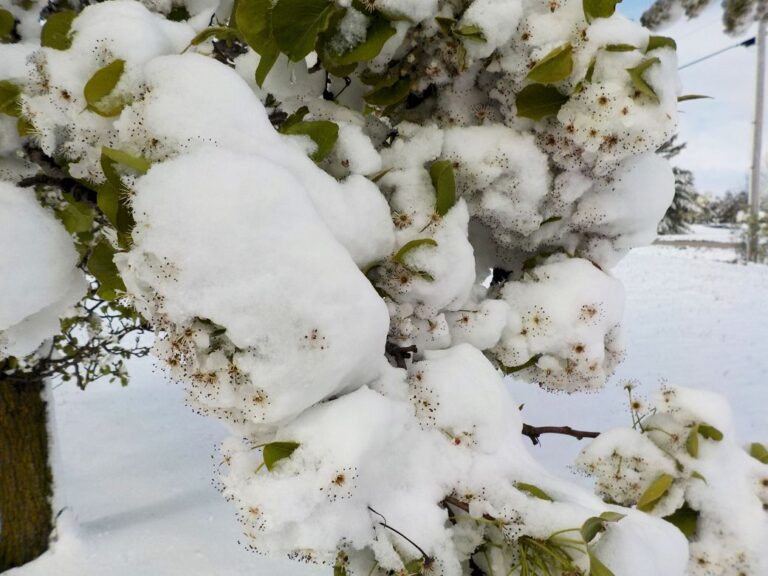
725,234
135,464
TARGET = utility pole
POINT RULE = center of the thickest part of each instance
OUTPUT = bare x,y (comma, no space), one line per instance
757,145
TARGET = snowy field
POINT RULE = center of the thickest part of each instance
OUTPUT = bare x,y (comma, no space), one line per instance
726,234
135,464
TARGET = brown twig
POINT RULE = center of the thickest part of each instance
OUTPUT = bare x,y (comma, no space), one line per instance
533,432
400,353
456,503
396,531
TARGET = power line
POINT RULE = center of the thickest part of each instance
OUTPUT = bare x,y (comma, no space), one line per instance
745,43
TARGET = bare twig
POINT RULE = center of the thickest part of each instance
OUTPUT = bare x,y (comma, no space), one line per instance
396,531
400,353
456,503
533,432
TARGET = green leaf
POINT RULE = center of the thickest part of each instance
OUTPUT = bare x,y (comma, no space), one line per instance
339,570
221,32
254,21
612,516
137,163
536,101
551,219
101,85
554,67
470,32
444,182
594,525
692,444
55,32
297,23
599,8
587,76
108,201
692,97
655,42
706,431
446,24
266,62
322,132
179,14
591,528
9,98
7,22
412,245
389,95
533,491
590,70
536,259
76,216
686,519
415,566
112,200
294,118
276,451
24,127
102,266
596,567
758,452
376,177
376,80
461,57
710,432
654,493
636,75
619,48
377,35
698,475
527,364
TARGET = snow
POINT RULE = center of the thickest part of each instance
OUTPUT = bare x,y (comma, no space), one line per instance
414,10
259,271
184,108
714,475
690,321
187,269
155,454
55,102
703,233
135,484
502,173
614,210
498,20
566,317
39,281
625,449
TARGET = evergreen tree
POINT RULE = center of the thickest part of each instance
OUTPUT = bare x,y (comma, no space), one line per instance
737,14
727,209
685,208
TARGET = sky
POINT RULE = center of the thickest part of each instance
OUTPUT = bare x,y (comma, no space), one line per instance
718,132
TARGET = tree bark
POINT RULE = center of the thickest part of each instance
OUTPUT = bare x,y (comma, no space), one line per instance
25,474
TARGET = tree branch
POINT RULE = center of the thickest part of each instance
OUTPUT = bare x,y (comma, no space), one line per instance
400,353
456,503
533,432
396,531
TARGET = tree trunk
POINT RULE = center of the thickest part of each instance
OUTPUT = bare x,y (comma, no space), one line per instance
25,474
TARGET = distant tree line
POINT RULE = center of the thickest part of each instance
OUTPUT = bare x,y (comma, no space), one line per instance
690,206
